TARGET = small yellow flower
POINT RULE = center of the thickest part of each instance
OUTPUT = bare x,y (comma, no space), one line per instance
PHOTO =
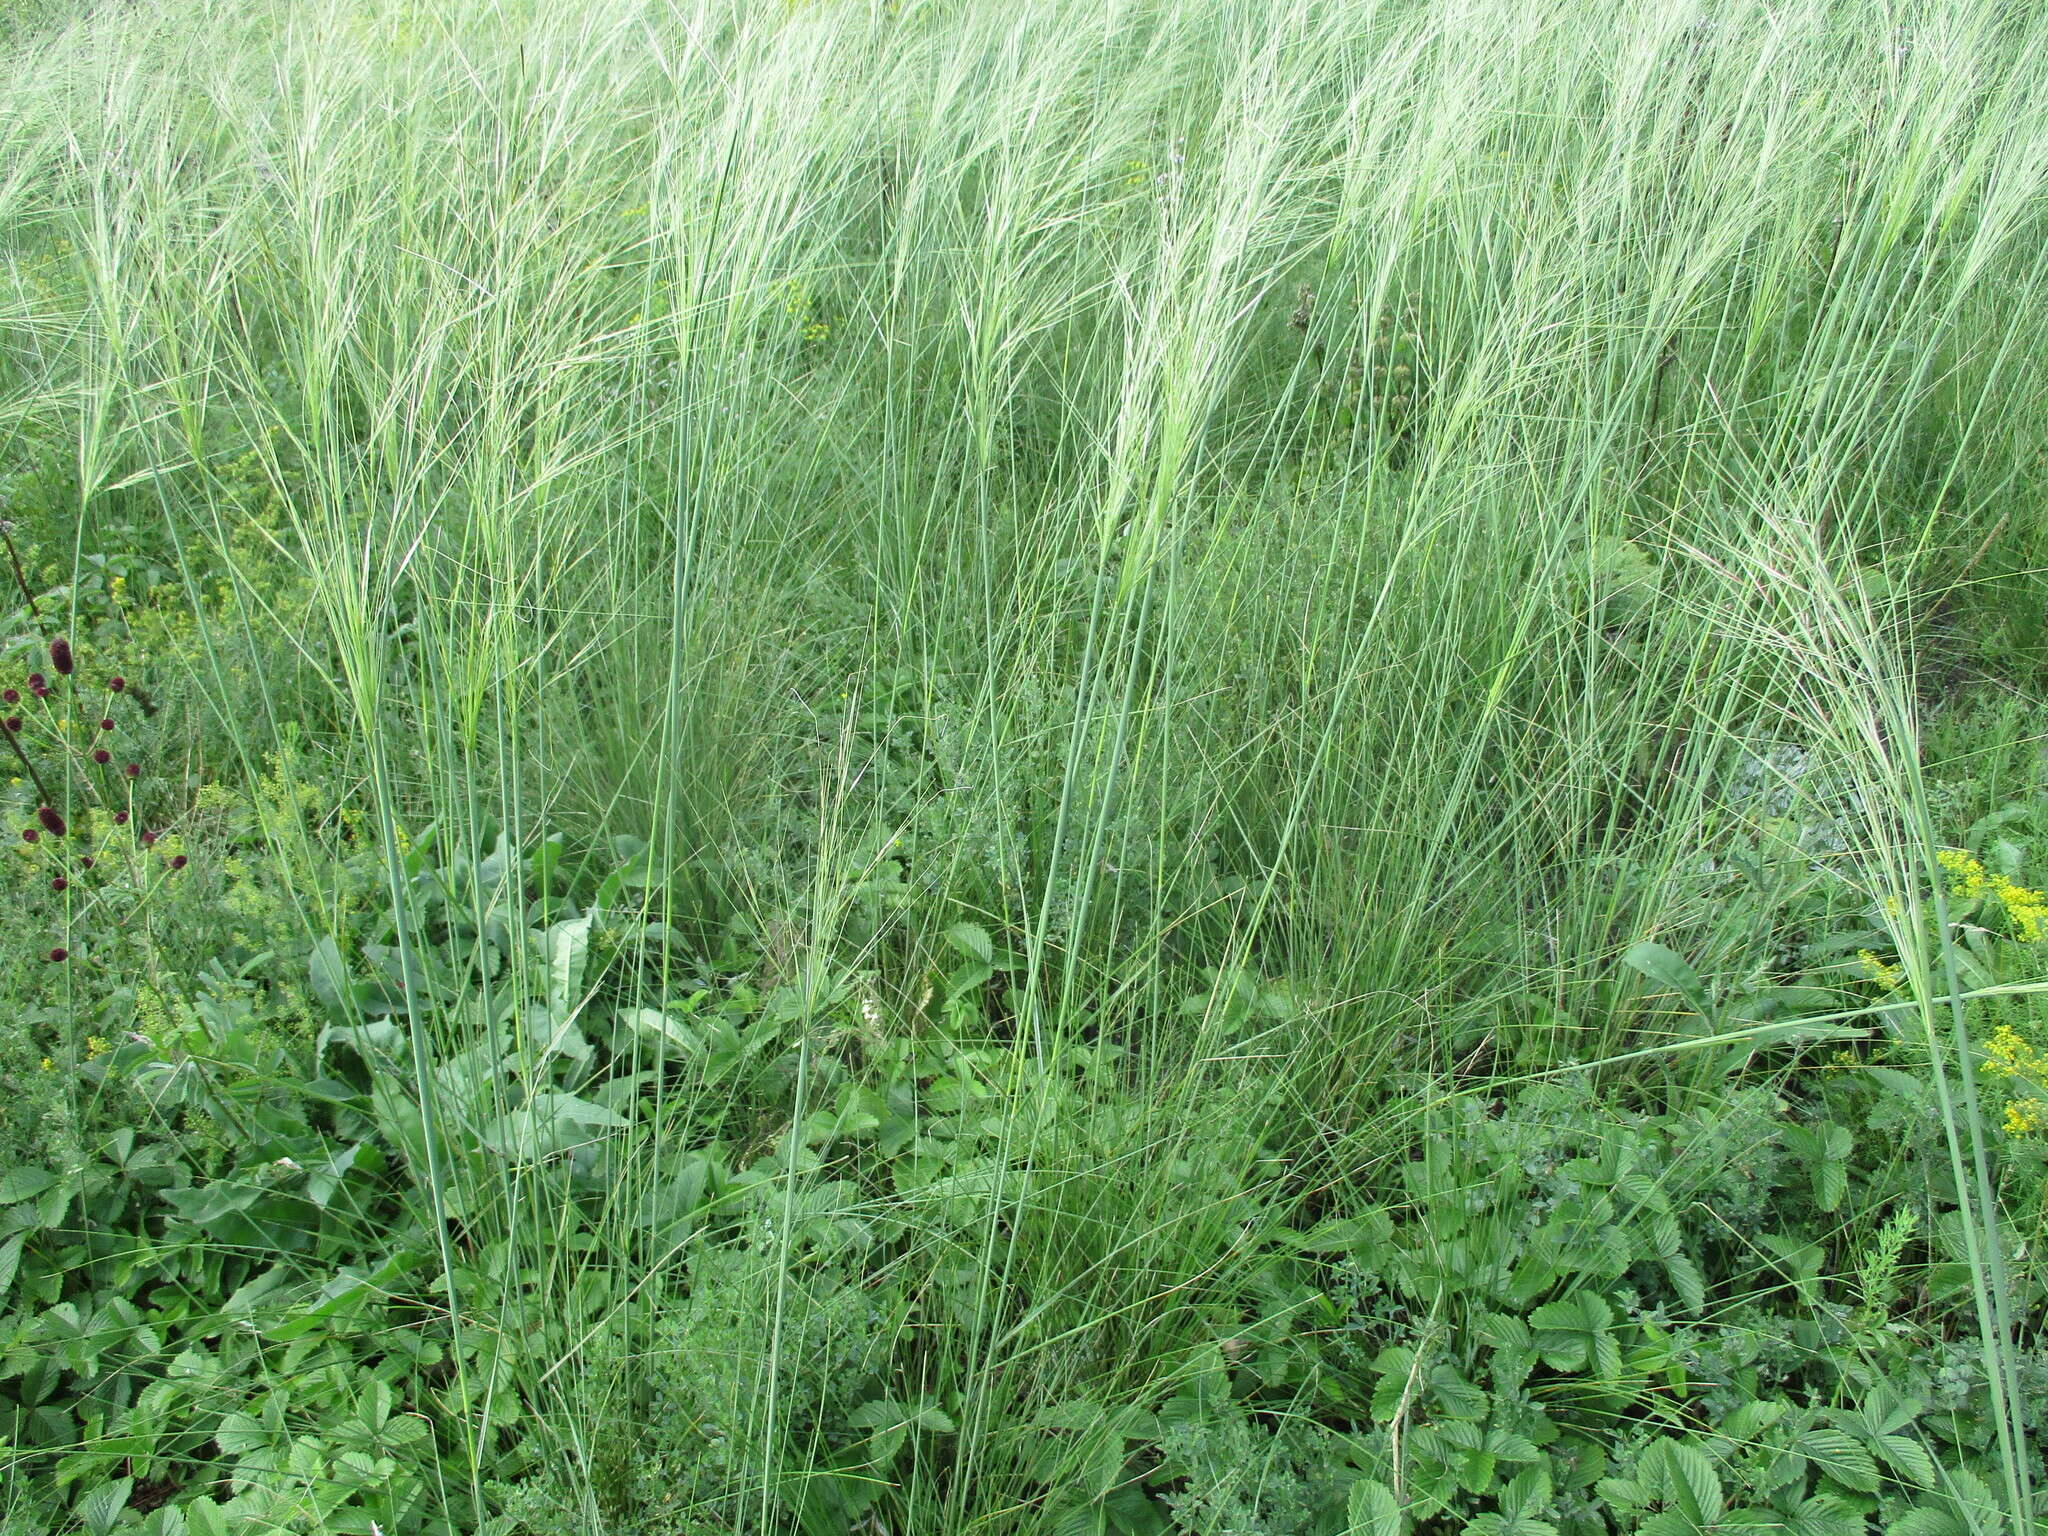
2007,1054
2026,1117
1969,880
95,1045
49,1065
1890,977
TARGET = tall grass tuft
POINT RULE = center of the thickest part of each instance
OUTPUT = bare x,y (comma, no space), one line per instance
1331,494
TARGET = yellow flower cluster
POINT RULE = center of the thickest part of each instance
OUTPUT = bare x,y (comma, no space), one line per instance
1890,977
2008,1054
1969,880
798,305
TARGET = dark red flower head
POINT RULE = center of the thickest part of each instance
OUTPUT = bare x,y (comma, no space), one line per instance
30,835
11,723
59,883
106,725
60,953
102,756
117,683
120,818
10,695
60,656
148,838
178,861
132,769
52,822
86,862
37,682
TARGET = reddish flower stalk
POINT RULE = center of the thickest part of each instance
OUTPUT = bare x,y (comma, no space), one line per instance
13,738
20,576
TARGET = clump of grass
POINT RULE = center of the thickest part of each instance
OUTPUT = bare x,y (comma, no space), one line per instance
799,439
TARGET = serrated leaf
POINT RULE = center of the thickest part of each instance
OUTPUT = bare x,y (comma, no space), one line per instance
1664,1236
1081,1414
1505,1331
1925,1522
1751,1418
1841,1458
1505,1445
1909,1458
1685,1279
24,1183
99,1509
1623,1492
1826,1515
1529,1490
239,1434
973,941
1459,1399
1373,1510
1695,1487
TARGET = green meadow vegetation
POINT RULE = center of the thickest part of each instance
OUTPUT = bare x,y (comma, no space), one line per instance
920,768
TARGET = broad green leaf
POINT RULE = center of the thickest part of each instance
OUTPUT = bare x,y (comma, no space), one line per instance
1670,971
328,976
550,1123
660,1034
568,945
24,1183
